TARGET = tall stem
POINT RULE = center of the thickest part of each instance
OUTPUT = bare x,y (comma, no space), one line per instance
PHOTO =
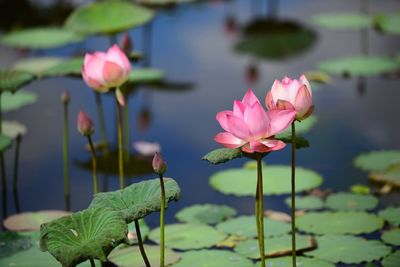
261,209
16,167
257,212
92,264
126,131
162,244
120,146
94,165
102,122
3,170
293,199
67,194
140,242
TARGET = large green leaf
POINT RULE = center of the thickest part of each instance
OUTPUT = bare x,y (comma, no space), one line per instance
222,155
40,38
349,201
13,128
89,234
185,236
392,260
137,200
276,246
348,249
205,213
352,222
300,261
108,17
388,23
391,215
359,65
343,21
213,258
246,226
392,237
377,160
36,65
5,142
242,181
12,80
11,102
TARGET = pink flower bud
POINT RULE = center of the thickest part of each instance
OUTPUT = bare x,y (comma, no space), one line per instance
159,164
65,97
85,124
126,44
120,97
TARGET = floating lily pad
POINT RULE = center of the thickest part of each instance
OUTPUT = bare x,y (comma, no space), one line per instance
360,189
392,237
306,202
13,128
37,65
69,67
352,222
222,155
31,221
246,226
143,75
188,236
317,77
242,182
108,17
377,160
276,246
349,201
137,200
392,260
213,258
40,38
231,241
89,234
12,80
348,249
144,231
343,21
131,257
5,142
300,261
359,65
205,213
391,215
388,23
11,102
391,178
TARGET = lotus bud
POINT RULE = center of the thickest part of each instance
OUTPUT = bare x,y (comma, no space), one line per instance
120,97
85,124
65,97
126,44
159,164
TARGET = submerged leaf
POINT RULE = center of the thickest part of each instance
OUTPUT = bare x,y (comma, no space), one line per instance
222,155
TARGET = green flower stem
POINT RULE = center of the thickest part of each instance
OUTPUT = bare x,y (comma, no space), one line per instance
16,165
120,146
94,165
140,242
257,212
162,243
67,193
261,209
293,199
125,110
92,264
3,169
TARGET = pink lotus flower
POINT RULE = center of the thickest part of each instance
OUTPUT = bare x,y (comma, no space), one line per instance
250,127
291,95
103,71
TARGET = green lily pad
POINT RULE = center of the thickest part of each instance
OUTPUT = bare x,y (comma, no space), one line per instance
13,128
162,3
137,200
349,201
37,65
143,75
246,226
275,246
131,257
359,65
391,215
11,102
242,181
12,80
108,17
389,23
343,21
5,142
188,236
377,160
89,234
31,221
205,213
340,222
392,237
391,178
306,202
360,189
348,249
40,38
300,261
213,258
392,260
68,67
144,231
222,155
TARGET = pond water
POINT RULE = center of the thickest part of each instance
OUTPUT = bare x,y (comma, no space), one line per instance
195,44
